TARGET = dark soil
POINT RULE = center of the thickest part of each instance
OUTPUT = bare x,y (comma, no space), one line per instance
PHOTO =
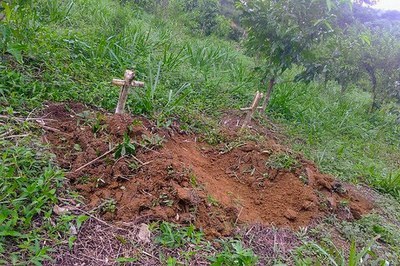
186,181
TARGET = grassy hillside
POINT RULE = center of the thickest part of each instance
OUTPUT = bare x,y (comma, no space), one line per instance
70,51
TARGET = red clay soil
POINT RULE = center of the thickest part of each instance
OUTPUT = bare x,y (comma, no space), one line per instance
185,181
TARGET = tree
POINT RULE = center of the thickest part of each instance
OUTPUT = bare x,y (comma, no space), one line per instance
362,50
283,33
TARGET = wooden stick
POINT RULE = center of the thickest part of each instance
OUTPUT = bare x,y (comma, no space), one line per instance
94,160
249,115
123,95
249,108
15,136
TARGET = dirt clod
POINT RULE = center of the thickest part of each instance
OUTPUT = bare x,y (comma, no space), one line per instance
291,214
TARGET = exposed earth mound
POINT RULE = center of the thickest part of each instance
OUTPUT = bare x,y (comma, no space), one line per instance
131,172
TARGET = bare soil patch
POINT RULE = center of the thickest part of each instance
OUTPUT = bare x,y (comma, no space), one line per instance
186,181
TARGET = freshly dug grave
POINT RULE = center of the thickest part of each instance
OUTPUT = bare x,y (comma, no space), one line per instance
173,177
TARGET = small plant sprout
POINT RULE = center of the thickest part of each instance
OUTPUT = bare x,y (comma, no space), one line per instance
344,203
125,148
193,179
108,205
173,236
165,200
282,161
152,141
304,179
212,201
234,254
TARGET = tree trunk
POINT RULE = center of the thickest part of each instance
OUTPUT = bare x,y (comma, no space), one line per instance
268,95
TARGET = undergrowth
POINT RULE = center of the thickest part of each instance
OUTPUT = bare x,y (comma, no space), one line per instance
70,51
28,191
338,132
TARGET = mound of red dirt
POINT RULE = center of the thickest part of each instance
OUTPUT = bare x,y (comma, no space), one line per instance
173,177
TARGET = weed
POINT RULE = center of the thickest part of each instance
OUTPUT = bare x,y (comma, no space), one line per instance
328,254
133,166
173,236
83,179
282,161
193,179
232,145
125,148
388,183
171,261
234,254
27,194
152,141
125,260
164,200
212,201
108,205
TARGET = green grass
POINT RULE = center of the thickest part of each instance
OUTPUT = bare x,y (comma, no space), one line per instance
28,191
338,132
70,51
234,254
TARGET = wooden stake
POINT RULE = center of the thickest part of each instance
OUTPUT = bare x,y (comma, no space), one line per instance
252,109
126,84
123,95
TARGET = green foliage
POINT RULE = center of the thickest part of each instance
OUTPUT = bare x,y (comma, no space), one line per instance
27,194
204,14
328,254
372,226
284,32
234,254
282,161
125,148
173,236
387,182
339,133
69,51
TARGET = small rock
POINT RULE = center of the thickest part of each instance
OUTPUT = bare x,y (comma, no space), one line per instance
247,148
60,210
331,203
72,230
257,202
307,205
144,233
291,214
114,185
338,188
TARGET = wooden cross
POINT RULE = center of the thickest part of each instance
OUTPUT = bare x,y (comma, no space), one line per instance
125,83
252,109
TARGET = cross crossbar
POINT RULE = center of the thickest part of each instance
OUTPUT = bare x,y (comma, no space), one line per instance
252,109
126,84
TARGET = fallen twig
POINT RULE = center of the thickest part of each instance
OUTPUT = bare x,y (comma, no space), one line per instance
97,219
15,136
95,160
